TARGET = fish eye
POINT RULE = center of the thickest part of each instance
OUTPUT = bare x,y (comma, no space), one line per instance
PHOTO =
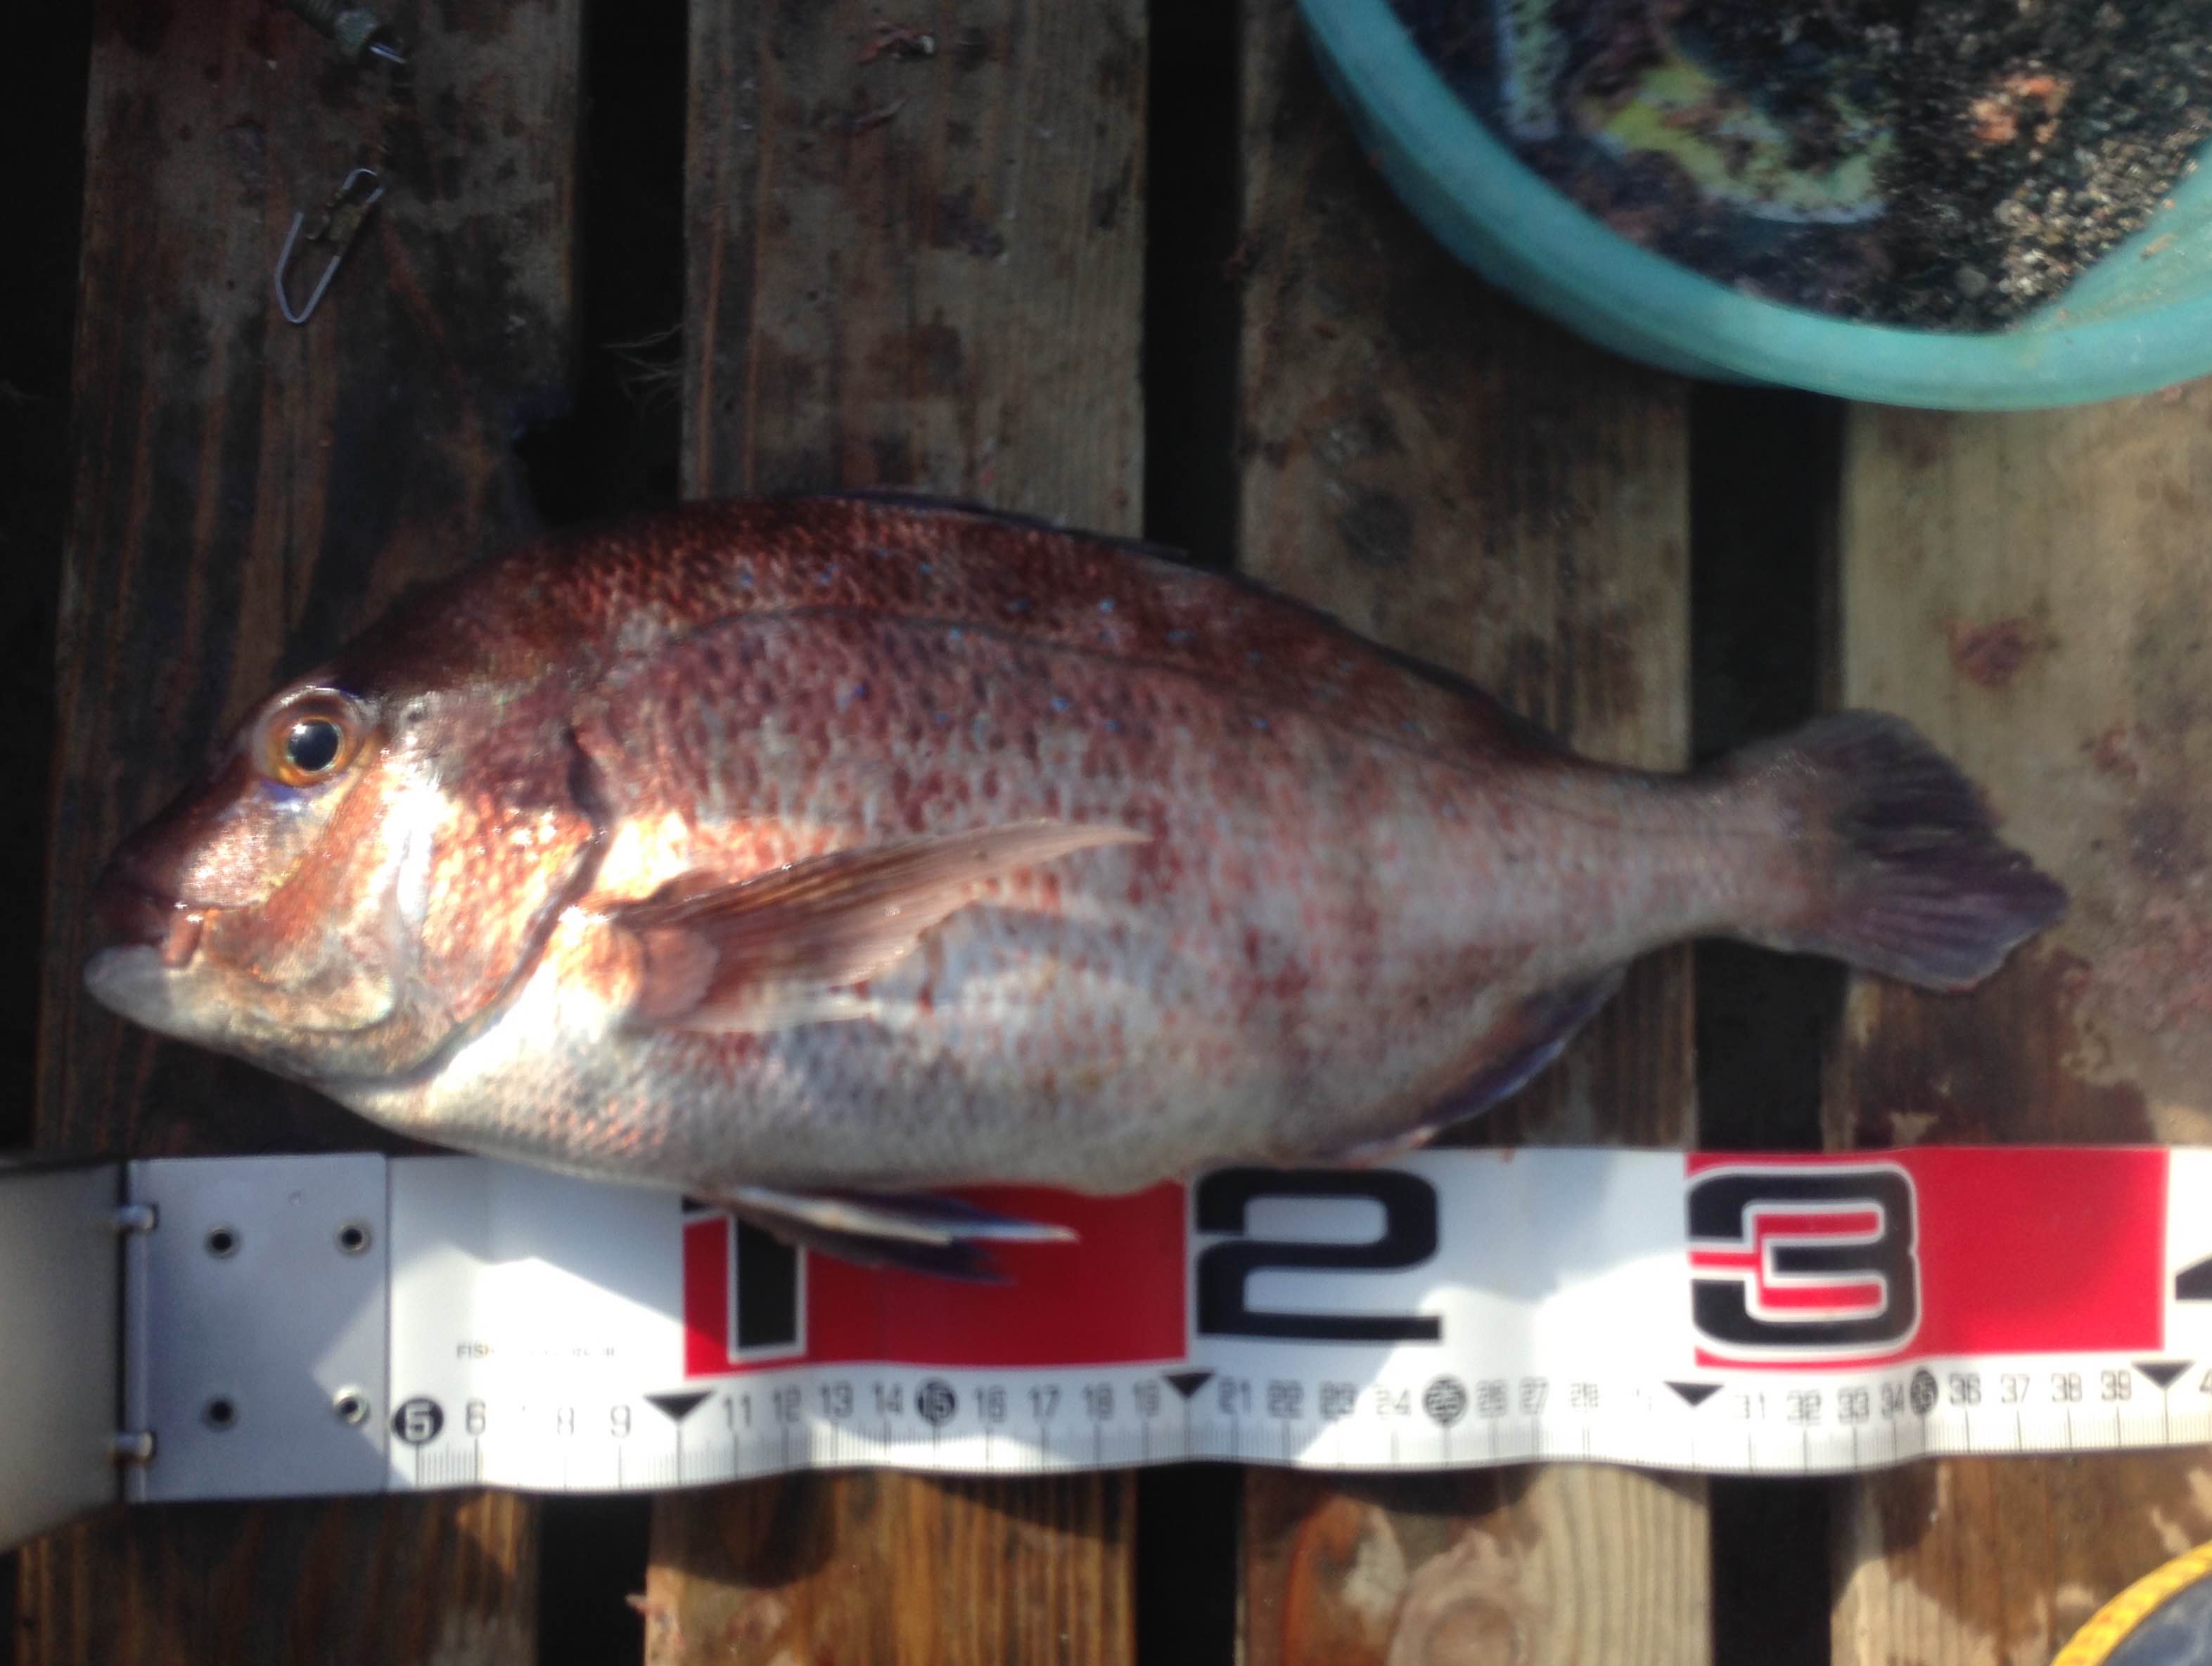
313,745
311,739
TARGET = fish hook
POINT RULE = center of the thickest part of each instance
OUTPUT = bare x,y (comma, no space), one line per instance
343,217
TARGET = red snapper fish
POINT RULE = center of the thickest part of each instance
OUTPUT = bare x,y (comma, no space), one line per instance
812,855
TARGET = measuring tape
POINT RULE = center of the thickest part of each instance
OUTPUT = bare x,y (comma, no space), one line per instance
358,1324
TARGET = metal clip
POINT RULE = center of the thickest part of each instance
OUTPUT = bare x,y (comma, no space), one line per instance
341,220
356,31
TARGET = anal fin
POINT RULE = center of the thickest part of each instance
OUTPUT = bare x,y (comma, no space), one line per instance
912,1232
1529,1041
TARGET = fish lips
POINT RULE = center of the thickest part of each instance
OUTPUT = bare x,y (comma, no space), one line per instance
136,918
151,943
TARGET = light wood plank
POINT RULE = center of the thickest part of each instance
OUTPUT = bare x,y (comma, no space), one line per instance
2033,592
1454,477
247,494
922,271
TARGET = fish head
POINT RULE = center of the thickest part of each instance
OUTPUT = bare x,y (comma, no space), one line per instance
359,877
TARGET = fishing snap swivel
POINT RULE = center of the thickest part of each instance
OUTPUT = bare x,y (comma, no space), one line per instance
356,31
340,223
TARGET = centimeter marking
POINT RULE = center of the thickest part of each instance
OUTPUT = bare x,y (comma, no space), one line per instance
1031,1422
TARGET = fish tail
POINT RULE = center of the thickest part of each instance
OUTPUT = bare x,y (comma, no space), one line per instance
1899,870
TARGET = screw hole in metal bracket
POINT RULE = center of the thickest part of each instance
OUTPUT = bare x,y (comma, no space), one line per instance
222,1241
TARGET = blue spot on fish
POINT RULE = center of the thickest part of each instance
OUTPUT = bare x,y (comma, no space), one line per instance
1059,703
924,569
942,718
1177,638
1019,605
1106,606
1113,726
1258,722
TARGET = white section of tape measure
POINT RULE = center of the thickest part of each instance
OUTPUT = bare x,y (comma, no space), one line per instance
533,1293
537,1340
2188,1243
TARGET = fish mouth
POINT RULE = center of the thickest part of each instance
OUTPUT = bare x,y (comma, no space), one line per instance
136,918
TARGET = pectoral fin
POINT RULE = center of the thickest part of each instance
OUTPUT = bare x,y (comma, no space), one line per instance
784,947
914,1232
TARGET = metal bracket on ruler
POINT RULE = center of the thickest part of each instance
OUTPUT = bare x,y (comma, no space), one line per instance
255,1326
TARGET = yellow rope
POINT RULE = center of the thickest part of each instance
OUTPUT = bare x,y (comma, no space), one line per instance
2109,1626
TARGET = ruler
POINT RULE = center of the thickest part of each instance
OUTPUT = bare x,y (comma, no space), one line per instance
297,1325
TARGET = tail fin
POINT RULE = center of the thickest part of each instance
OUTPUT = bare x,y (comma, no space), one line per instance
1918,884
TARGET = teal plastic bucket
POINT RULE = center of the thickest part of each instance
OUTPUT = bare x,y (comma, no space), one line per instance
2139,320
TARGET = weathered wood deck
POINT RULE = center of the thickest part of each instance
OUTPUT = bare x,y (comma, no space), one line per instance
1121,264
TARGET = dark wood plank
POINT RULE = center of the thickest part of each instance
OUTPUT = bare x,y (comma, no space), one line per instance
246,494
1767,466
1452,476
2033,591
918,271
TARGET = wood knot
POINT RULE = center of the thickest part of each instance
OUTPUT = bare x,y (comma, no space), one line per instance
1464,1607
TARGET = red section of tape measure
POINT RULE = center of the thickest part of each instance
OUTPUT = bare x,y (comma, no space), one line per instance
2014,1250
2035,1251
1796,1262
1115,1296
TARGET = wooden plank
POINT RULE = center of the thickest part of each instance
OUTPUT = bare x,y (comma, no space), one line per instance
920,270
246,494
1454,477
2032,591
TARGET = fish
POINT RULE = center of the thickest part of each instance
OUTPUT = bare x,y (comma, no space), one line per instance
822,857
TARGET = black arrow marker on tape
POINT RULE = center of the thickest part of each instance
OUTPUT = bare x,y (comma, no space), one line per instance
2162,1371
1188,1382
2194,1283
1695,1393
676,1407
